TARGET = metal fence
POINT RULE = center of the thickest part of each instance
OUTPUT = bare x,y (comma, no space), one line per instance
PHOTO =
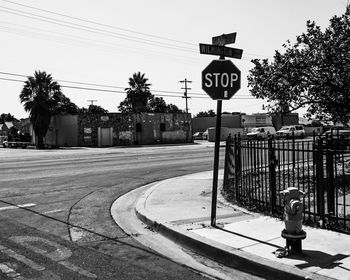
256,172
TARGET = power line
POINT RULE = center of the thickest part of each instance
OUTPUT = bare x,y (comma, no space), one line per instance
93,30
116,91
100,85
101,31
101,24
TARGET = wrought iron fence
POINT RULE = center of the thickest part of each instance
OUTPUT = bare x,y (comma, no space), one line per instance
257,171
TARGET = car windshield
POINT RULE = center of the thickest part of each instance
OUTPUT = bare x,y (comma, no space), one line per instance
256,129
285,128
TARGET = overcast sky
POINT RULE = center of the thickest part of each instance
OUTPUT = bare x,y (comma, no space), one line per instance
99,44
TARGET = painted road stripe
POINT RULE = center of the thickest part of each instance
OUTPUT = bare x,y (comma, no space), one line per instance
17,206
53,211
8,271
21,258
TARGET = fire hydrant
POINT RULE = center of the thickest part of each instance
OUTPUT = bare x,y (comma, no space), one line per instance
293,217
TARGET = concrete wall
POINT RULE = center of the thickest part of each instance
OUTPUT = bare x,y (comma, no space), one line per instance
256,120
162,128
224,133
201,124
287,119
63,131
309,130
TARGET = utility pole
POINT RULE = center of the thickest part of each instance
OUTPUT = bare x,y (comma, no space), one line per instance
185,81
92,101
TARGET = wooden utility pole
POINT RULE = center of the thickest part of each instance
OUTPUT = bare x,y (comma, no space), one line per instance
185,81
92,101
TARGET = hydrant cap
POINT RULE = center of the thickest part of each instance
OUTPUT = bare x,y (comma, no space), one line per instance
292,192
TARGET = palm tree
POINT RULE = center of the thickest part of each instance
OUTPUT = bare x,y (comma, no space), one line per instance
41,97
138,93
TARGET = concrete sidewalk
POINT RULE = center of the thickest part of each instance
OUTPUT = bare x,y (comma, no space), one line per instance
180,209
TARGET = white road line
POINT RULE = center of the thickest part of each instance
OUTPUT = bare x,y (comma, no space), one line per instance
53,211
17,206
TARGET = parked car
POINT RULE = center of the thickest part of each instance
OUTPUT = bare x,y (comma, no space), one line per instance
341,133
205,135
5,142
288,131
198,136
261,132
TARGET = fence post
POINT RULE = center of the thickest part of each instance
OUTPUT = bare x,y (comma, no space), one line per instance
237,165
319,180
330,181
272,175
227,162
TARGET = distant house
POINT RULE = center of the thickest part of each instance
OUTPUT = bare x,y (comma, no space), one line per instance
5,128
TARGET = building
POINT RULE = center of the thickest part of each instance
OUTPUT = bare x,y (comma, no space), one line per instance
245,122
116,129
201,124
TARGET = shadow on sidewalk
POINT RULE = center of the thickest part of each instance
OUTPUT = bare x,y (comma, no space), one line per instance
248,237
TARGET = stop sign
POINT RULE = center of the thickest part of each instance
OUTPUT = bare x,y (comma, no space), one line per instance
221,79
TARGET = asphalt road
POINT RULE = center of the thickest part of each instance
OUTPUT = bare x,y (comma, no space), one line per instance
63,229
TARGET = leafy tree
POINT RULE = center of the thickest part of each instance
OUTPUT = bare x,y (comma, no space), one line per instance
172,108
94,109
158,105
140,99
7,118
137,94
314,73
65,106
209,113
42,98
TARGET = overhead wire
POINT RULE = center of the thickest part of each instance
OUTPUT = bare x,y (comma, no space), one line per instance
93,30
87,43
101,24
159,92
102,31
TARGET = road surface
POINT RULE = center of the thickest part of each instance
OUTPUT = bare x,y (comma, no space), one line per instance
55,211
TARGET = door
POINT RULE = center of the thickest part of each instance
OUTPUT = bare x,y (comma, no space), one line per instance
105,136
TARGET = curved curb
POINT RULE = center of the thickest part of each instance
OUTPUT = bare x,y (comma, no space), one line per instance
216,251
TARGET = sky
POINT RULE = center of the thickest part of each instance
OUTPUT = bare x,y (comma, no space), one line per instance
92,47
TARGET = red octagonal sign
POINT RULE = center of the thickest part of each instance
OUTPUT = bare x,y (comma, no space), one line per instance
221,79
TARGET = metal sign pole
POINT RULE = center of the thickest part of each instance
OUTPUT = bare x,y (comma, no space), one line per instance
216,163
228,85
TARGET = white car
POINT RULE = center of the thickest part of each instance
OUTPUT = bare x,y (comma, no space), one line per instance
289,131
261,132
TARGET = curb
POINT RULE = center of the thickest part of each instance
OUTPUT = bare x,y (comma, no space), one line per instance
218,252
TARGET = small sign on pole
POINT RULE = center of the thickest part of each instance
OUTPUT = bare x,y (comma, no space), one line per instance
224,39
221,51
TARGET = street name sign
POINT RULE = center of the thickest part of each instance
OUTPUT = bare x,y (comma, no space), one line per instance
220,50
224,39
221,79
